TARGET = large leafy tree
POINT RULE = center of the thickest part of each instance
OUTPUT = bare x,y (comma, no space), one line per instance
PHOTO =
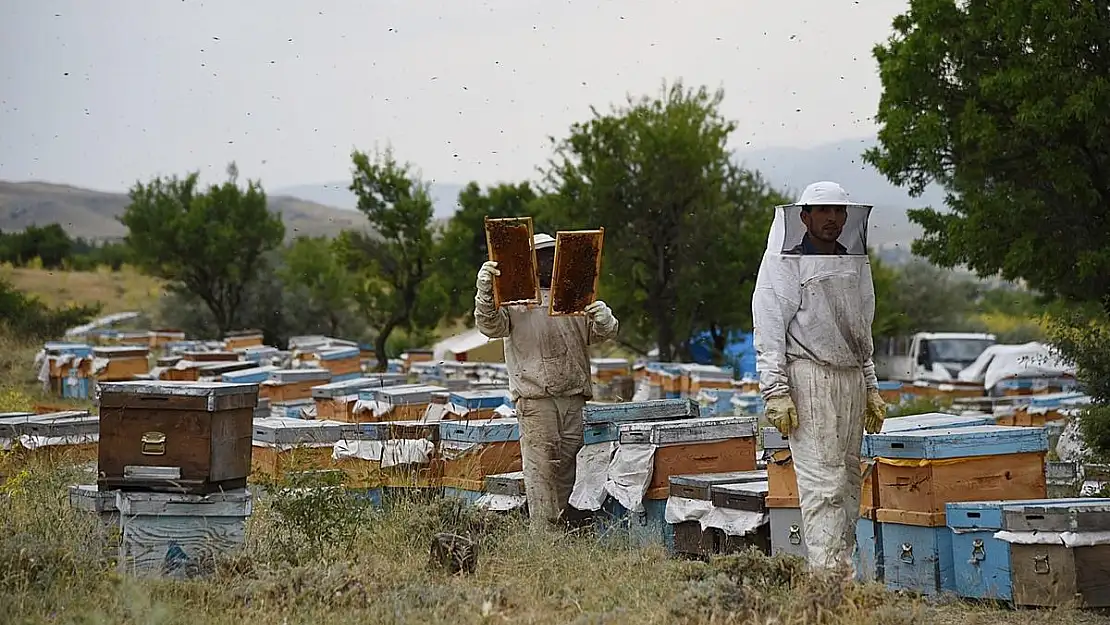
313,265
1006,104
685,227
206,242
394,285
462,248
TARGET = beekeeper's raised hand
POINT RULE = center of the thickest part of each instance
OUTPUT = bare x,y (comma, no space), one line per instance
782,414
600,313
876,411
485,279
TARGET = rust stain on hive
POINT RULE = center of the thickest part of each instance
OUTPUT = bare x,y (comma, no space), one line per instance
510,246
577,266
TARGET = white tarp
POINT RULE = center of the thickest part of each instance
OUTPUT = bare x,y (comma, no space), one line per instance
390,453
1031,360
630,473
591,472
1067,539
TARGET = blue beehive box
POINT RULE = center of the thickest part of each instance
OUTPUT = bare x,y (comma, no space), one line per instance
928,421
644,528
480,431
721,404
75,386
338,353
478,400
982,562
600,433
651,410
372,431
256,375
466,496
869,551
79,350
918,558
959,442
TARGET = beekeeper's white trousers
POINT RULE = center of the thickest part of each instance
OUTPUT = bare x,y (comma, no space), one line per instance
550,437
825,450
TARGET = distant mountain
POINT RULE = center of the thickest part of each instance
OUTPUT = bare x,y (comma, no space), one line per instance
94,214
444,195
787,168
327,208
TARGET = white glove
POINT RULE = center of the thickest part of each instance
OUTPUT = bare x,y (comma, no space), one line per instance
485,279
600,313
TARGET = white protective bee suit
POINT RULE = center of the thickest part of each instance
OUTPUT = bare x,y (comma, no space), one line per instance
549,381
812,314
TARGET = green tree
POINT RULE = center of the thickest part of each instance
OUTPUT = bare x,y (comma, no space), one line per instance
314,265
462,248
208,243
685,227
393,283
1006,104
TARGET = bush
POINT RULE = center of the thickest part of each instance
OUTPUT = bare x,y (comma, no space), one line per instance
1084,338
27,317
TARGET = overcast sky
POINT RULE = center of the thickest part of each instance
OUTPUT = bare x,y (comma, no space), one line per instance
101,93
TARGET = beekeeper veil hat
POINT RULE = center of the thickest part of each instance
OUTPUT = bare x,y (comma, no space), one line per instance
788,230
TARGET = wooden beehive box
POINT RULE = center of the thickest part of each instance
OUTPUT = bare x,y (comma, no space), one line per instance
175,436
405,402
120,363
1070,564
293,384
689,537
651,410
686,430
251,375
479,404
981,560
179,535
474,449
242,339
511,484
161,338
920,471
210,356
576,272
510,244
695,449
282,446
216,370
340,360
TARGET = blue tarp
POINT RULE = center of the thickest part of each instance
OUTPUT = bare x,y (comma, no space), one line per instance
739,352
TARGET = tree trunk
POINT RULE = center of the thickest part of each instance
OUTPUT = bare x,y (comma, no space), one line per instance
664,336
379,346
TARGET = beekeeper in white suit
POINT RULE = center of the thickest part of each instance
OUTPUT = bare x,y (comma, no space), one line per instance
549,380
813,306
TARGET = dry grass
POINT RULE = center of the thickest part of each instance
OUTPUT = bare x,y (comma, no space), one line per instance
120,291
329,559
